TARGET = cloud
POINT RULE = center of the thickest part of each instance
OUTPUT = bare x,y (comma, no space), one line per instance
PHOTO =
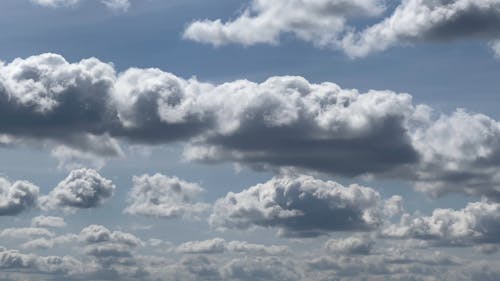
26,232
81,189
355,245
219,245
477,223
423,20
165,197
14,260
335,24
48,221
56,3
83,110
115,5
300,206
17,197
265,21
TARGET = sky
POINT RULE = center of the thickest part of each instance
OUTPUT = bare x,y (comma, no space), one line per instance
249,140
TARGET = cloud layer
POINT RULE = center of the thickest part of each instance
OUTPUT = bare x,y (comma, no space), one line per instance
85,109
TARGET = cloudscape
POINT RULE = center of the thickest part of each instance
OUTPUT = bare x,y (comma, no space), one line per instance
249,140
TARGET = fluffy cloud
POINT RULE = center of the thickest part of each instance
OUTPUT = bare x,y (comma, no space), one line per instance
300,207
264,21
82,189
165,197
83,109
17,197
477,223
48,221
426,20
11,260
330,23
356,245
219,245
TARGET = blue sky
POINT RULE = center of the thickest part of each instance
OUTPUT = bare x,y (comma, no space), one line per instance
175,144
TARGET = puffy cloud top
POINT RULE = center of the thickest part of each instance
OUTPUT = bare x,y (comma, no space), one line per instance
83,188
17,197
165,197
285,122
300,206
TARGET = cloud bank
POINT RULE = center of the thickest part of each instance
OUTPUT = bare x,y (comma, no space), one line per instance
284,122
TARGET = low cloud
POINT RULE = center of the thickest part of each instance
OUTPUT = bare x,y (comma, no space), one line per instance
82,111
81,189
165,197
17,197
300,206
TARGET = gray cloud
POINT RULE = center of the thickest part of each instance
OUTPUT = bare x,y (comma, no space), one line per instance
17,197
300,207
165,197
81,189
282,123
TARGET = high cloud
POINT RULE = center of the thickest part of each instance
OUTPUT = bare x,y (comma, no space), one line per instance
301,206
84,110
334,23
81,189
165,197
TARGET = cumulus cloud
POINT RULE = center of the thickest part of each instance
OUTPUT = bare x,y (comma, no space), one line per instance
219,245
12,260
81,189
48,221
333,24
424,20
477,223
84,109
355,245
300,206
165,197
17,197
264,21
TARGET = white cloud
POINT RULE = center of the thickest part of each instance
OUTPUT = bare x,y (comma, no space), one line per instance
48,221
301,206
265,21
477,223
81,189
17,197
284,122
165,197
219,245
